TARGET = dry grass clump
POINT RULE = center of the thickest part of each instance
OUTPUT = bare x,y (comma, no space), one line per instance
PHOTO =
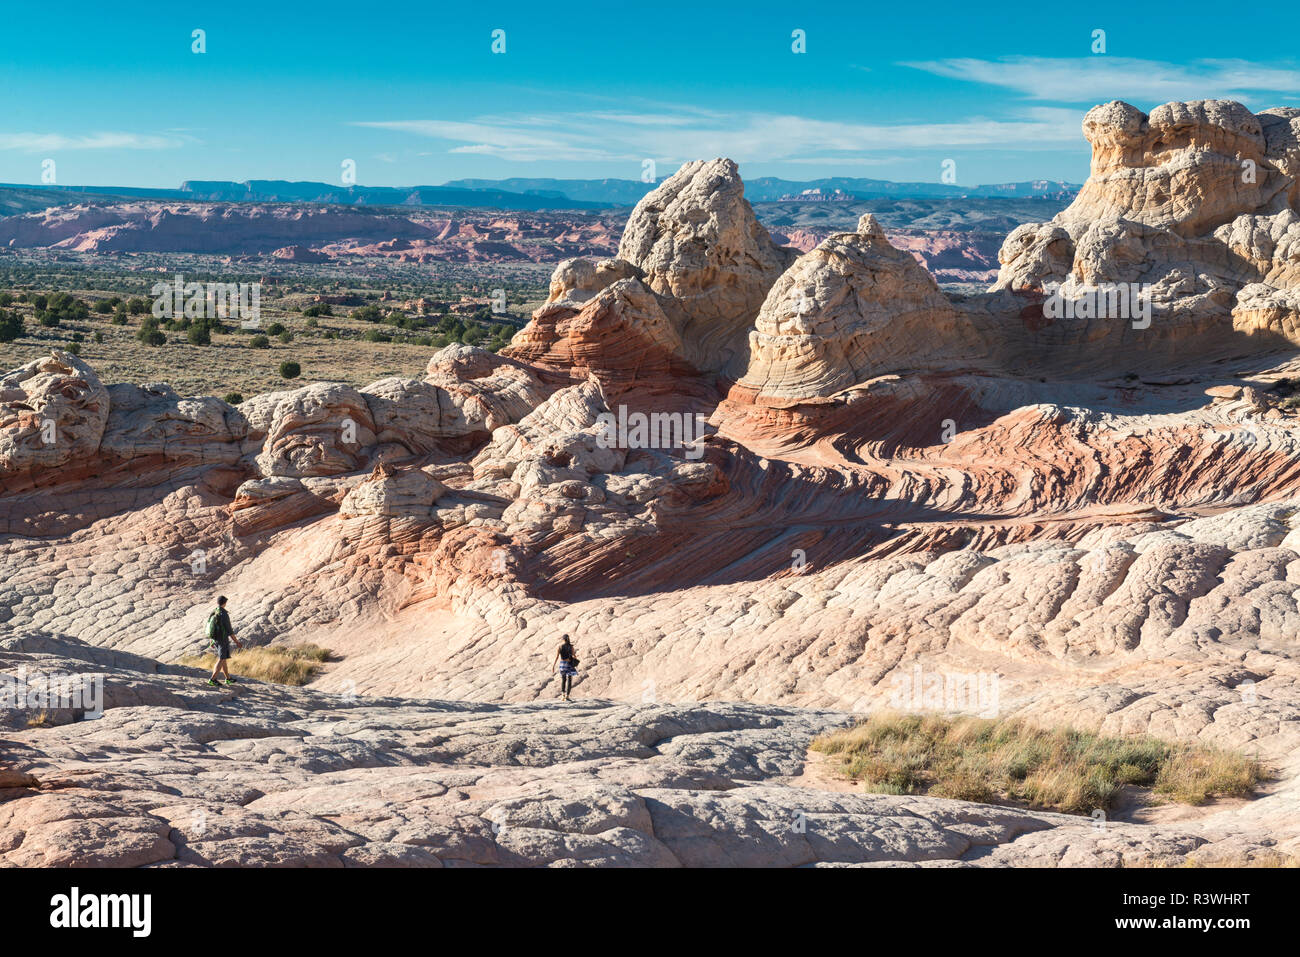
295,665
1265,859
1010,761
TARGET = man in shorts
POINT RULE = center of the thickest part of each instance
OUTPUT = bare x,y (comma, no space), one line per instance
222,633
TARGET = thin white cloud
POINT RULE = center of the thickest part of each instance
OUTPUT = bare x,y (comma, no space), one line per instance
58,142
749,137
1099,78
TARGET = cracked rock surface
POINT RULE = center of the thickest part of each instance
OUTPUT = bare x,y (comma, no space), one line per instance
178,774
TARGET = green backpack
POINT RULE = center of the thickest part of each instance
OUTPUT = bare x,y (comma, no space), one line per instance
212,630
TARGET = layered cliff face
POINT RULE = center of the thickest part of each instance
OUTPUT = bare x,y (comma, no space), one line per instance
1199,203
312,233
1181,249
896,480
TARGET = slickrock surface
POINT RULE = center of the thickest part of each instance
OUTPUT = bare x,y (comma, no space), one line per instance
174,775
1085,521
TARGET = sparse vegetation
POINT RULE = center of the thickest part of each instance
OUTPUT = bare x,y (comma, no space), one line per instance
11,326
259,342
294,665
412,309
234,398
1013,762
149,333
1263,858
61,307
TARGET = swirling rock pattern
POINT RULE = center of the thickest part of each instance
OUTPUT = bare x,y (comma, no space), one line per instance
1099,521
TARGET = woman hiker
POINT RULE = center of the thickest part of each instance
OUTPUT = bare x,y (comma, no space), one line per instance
567,662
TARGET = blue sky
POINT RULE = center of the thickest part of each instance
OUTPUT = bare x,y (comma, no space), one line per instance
413,93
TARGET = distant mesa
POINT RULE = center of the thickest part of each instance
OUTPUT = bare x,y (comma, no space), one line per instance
300,254
816,195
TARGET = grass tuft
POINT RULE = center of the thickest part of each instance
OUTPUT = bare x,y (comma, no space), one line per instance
1010,761
295,665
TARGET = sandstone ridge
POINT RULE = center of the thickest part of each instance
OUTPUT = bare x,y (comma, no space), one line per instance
851,476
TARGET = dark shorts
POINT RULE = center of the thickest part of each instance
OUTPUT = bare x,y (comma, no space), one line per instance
223,649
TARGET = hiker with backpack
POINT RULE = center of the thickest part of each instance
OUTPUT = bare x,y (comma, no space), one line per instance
566,659
220,632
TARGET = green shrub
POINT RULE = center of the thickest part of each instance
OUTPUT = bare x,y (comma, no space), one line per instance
285,337
290,369
274,329
234,398
64,307
149,333
11,326
259,342
374,335
199,336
